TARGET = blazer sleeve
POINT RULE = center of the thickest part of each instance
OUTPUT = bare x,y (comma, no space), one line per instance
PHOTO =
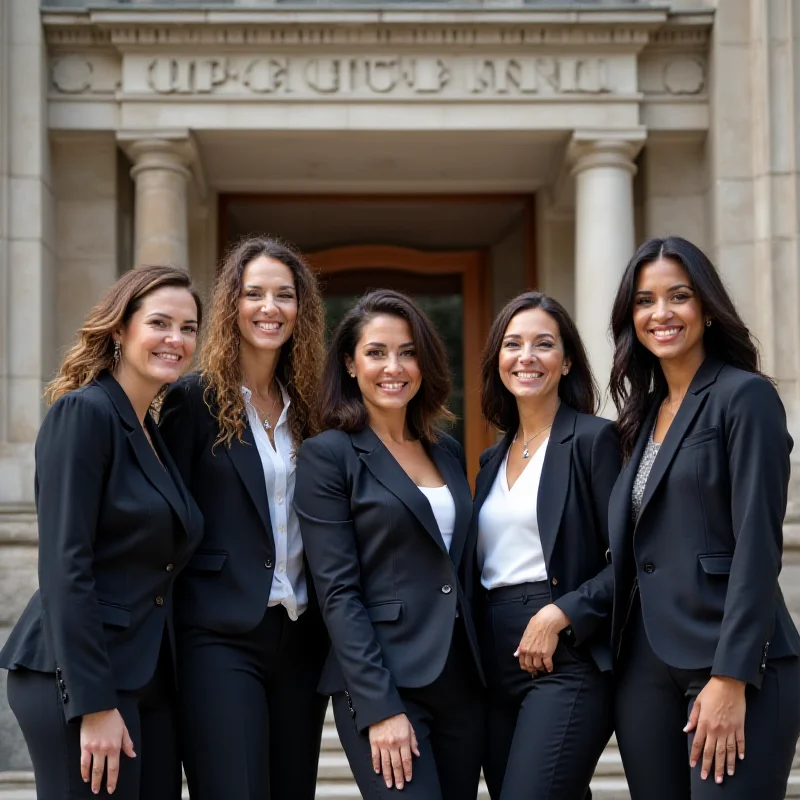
589,606
176,424
758,446
322,502
74,452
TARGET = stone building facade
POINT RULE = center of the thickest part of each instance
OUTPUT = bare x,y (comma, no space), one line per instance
474,148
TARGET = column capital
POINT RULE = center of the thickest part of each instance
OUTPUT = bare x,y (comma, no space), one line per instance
159,154
588,149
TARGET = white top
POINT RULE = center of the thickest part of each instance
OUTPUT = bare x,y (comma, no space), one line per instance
509,546
444,509
288,579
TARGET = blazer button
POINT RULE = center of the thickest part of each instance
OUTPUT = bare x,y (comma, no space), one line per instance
170,567
447,588
268,563
58,671
554,581
649,568
159,601
62,685
65,697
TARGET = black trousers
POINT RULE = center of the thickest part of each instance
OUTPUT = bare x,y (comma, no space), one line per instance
54,744
544,734
653,702
448,722
250,716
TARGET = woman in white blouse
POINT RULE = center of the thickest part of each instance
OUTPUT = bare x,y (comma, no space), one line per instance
251,641
540,581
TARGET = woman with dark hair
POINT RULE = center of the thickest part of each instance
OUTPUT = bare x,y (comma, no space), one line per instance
251,642
384,507
91,658
541,584
707,652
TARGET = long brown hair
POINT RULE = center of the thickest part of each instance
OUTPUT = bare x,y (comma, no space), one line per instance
94,349
577,389
340,404
301,354
636,376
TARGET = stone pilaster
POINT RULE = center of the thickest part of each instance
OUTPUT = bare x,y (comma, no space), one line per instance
603,168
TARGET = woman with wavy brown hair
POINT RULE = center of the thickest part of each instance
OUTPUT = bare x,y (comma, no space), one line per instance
251,638
91,658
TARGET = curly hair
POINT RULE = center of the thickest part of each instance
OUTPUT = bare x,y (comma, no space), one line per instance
93,351
300,358
340,405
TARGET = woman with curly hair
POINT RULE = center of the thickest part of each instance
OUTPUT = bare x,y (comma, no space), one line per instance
91,658
251,642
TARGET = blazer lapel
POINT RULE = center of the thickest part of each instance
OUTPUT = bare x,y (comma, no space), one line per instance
554,484
450,469
382,464
160,477
691,405
245,458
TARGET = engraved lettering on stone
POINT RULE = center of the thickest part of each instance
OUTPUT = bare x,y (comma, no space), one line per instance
267,75
171,76
427,75
684,76
382,75
72,75
584,76
208,74
323,75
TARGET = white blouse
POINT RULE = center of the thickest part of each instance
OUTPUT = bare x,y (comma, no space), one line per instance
444,509
288,579
509,547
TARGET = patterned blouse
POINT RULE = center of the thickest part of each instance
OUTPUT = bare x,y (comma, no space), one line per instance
642,474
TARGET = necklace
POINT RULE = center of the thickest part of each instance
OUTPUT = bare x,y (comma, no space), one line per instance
525,453
266,422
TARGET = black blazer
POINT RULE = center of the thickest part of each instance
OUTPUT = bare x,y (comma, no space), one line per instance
115,530
707,547
387,586
580,467
227,583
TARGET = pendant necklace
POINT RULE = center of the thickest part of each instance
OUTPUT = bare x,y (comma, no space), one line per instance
525,453
267,424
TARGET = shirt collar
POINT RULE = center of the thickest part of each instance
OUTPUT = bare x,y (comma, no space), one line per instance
248,394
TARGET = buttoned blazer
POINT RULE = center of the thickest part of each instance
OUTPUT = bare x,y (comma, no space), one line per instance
580,467
227,584
387,585
707,547
115,529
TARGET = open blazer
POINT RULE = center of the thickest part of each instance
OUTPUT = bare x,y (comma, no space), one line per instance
708,542
387,585
115,529
580,467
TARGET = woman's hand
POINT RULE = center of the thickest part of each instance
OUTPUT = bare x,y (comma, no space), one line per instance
393,741
103,735
718,721
539,642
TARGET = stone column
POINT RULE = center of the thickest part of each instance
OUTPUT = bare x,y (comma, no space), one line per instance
160,170
604,235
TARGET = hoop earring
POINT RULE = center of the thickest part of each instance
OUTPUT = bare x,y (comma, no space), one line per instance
708,323
117,352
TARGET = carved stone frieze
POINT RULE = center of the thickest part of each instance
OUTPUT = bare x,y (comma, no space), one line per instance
387,75
78,73
673,74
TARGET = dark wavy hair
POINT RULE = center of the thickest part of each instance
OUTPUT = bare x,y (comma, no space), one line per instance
636,375
577,389
301,355
340,405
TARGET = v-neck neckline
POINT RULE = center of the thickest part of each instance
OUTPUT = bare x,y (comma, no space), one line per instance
504,467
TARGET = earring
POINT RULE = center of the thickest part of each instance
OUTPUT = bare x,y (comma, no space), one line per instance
117,352
708,323
565,371
351,374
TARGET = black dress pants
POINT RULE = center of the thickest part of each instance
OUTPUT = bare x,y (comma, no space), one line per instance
544,734
54,744
447,717
250,716
653,703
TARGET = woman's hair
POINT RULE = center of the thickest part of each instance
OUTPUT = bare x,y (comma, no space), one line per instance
636,375
94,350
341,406
301,354
577,389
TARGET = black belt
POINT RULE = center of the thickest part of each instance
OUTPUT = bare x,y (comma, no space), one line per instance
520,591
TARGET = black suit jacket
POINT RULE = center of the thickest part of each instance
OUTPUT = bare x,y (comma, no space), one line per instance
580,467
227,584
115,529
387,586
707,547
